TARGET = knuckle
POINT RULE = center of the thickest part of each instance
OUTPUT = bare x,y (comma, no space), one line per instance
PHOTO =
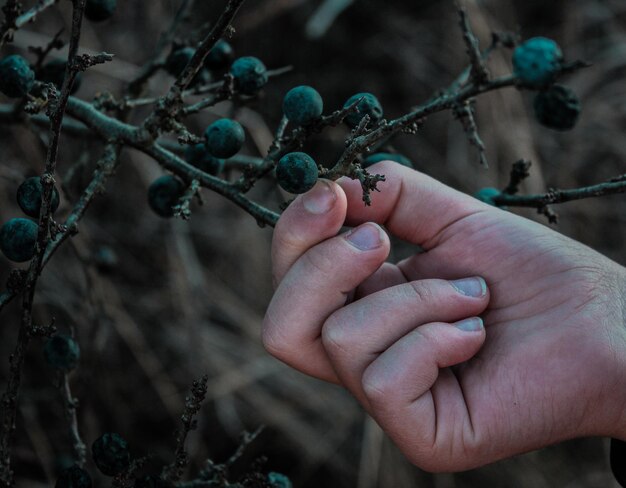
273,343
422,292
334,337
375,388
318,262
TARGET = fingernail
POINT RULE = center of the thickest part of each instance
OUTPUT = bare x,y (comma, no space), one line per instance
471,287
470,325
320,199
365,237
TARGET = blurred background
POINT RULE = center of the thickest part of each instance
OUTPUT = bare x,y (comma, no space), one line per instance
175,300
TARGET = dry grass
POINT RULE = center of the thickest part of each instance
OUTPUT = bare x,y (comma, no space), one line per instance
188,298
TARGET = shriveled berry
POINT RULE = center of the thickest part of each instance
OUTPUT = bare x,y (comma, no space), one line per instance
178,60
54,72
164,193
369,105
558,107
16,76
29,197
224,138
537,61
278,480
296,172
62,352
18,238
383,156
110,454
250,75
199,156
487,195
99,10
220,57
302,105
74,477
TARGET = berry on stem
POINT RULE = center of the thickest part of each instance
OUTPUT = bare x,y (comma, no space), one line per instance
220,57
558,107
110,454
199,156
487,195
278,480
303,105
224,138
296,172
250,75
383,156
99,10
29,197
369,105
74,477
16,76
18,238
164,193
62,352
178,60
537,61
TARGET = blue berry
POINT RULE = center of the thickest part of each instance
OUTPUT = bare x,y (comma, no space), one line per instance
296,172
62,352
18,238
110,454
487,195
178,59
250,75
198,155
383,156
164,193
74,477
99,10
558,107
537,61
303,105
54,72
29,197
224,138
220,57
16,76
369,105
278,480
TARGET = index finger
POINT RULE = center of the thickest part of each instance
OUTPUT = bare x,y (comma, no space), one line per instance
411,205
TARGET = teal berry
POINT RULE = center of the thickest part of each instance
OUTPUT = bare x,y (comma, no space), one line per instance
99,10
199,156
164,193
537,61
62,352
558,108
220,57
224,138
303,105
178,59
16,76
369,105
18,238
54,72
296,172
487,195
249,74
29,197
278,480
383,156
74,477
110,454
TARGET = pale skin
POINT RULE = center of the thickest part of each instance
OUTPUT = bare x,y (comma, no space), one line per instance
546,363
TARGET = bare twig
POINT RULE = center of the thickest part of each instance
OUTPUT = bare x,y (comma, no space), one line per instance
519,172
14,18
479,72
70,403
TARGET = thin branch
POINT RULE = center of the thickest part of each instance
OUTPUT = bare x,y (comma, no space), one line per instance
15,19
479,71
70,405
519,172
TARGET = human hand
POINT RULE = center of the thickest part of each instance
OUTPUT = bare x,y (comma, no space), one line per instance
548,365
